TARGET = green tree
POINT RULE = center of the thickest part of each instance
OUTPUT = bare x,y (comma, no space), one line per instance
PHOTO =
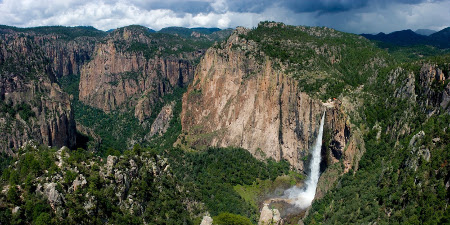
43,219
13,195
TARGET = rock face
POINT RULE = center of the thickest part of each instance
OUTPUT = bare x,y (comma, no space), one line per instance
161,123
33,105
237,101
54,197
270,216
207,220
435,89
68,57
66,48
123,76
432,91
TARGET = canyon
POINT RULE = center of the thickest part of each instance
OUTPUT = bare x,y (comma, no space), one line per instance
190,126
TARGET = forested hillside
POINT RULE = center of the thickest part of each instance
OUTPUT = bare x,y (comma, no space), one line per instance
404,175
186,125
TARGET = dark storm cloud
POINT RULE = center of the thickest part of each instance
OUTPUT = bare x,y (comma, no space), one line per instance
357,16
319,6
177,6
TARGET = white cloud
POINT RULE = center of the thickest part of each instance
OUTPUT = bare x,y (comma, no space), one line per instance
110,14
220,6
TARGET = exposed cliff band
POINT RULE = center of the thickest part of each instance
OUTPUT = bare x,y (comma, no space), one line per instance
121,77
236,100
33,105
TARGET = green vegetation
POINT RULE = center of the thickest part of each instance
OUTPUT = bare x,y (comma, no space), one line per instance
206,177
161,205
411,53
162,44
147,51
114,128
398,180
5,161
258,191
170,42
23,109
320,58
231,219
187,32
68,33
215,171
7,108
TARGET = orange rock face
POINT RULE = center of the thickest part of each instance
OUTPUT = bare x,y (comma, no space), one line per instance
117,79
236,101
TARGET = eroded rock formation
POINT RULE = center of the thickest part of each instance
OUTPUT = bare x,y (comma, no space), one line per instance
434,89
121,77
33,105
236,100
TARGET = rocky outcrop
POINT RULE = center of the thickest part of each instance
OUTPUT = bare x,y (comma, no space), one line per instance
418,152
54,197
161,123
131,183
270,216
407,80
434,89
120,76
33,105
120,174
78,183
236,100
207,220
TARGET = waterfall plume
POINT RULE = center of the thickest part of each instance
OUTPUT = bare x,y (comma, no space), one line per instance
303,197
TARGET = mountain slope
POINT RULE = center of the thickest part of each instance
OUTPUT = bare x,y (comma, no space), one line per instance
426,32
260,91
442,38
385,145
407,38
33,107
401,38
403,177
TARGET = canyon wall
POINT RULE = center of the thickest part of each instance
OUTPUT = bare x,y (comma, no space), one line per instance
118,78
236,100
33,105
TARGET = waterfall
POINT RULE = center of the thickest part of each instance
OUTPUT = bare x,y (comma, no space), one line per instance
303,197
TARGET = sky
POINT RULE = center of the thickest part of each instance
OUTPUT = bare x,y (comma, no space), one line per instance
355,16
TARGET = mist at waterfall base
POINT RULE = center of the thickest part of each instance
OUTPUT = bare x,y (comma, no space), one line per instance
303,197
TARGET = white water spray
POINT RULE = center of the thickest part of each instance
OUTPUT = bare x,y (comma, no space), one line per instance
303,197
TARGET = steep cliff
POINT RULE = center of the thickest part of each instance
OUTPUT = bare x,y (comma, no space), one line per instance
434,88
33,105
133,69
242,97
65,48
68,57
